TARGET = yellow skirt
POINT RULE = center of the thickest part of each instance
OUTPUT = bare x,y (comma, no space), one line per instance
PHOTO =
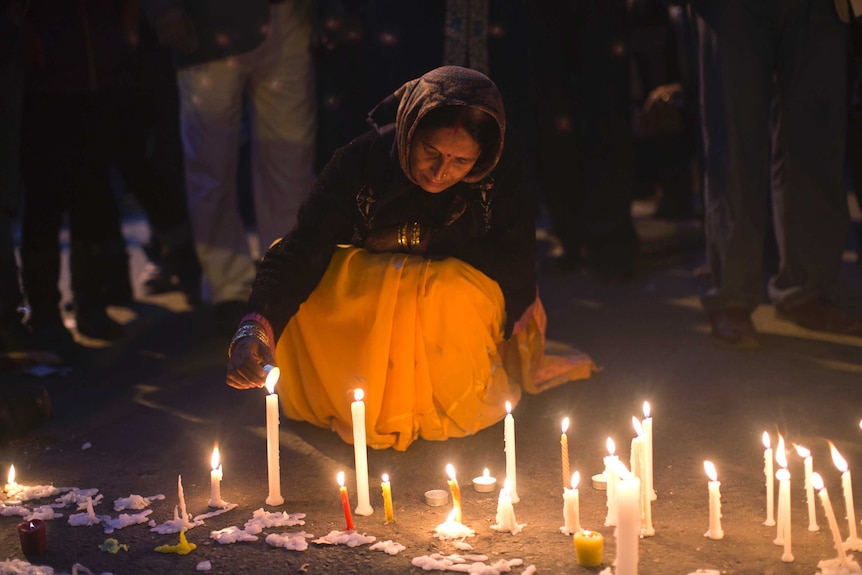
422,338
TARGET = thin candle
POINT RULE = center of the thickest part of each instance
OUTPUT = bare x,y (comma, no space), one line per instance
455,489
852,541
781,459
715,531
805,454
272,439
509,438
770,480
612,478
648,452
387,499
216,476
571,506
783,477
564,454
345,502
638,467
360,453
817,483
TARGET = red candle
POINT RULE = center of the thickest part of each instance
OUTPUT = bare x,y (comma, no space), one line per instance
344,501
34,537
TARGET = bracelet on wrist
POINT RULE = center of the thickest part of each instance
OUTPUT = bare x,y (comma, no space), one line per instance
248,329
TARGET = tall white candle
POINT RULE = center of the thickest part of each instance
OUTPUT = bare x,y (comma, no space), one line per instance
360,454
638,467
272,447
770,481
715,531
647,427
629,521
783,477
817,483
611,462
564,453
215,480
782,523
853,541
571,506
509,438
808,462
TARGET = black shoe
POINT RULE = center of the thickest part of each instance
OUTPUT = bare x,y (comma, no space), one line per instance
93,321
228,315
733,327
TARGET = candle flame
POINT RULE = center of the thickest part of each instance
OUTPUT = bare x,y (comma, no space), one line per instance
611,446
215,458
766,442
860,423
816,481
450,471
621,470
801,451
839,461
709,467
385,478
565,425
358,394
576,478
451,517
272,378
646,410
508,407
11,480
32,526
780,453
340,478
486,474
637,425
782,474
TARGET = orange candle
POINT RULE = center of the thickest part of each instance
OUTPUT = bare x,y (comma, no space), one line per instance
345,502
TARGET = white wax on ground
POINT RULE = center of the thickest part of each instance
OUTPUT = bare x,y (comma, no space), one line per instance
289,541
349,538
123,520
388,546
204,566
135,502
232,534
455,562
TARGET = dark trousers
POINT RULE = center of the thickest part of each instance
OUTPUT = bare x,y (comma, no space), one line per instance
11,78
792,52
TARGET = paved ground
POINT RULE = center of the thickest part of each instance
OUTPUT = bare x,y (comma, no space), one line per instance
152,407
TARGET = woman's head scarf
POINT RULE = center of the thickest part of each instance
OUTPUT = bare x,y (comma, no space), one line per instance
448,86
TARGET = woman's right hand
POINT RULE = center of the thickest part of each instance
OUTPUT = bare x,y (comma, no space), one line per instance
245,365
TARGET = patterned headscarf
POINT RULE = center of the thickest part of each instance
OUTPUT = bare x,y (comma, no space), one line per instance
448,86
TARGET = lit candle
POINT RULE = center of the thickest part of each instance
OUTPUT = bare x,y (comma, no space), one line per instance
564,453
456,493
509,437
770,481
505,512
611,461
10,481
589,546
783,476
715,531
639,468
817,483
571,506
33,537
629,521
215,480
272,464
805,454
484,483
852,541
345,502
387,499
360,454
647,427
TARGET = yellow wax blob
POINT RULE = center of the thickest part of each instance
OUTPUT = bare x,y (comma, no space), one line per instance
181,548
589,546
112,546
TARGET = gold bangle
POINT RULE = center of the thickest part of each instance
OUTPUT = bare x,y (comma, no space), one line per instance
415,234
248,329
402,236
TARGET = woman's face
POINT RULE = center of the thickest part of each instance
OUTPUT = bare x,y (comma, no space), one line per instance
442,157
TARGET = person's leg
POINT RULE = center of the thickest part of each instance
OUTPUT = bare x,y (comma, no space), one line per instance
283,121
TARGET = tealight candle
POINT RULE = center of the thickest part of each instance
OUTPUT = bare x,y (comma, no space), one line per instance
272,447
509,438
455,489
387,499
805,454
360,454
345,502
215,480
817,483
648,451
571,506
610,473
589,546
770,481
629,521
853,541
715,531
564,453
484,483
33,536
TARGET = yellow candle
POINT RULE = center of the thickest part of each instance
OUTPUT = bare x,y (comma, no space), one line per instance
387,499
589,546
564,451
456,493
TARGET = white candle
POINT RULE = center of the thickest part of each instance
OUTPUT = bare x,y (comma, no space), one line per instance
571,507
629,521
184,514
506,512
639,468
509,438
564,453
611,462
783,477
10,481
715,531
805,454
647,427
360,454
817,483
770,481
272,447
215,480
852,541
